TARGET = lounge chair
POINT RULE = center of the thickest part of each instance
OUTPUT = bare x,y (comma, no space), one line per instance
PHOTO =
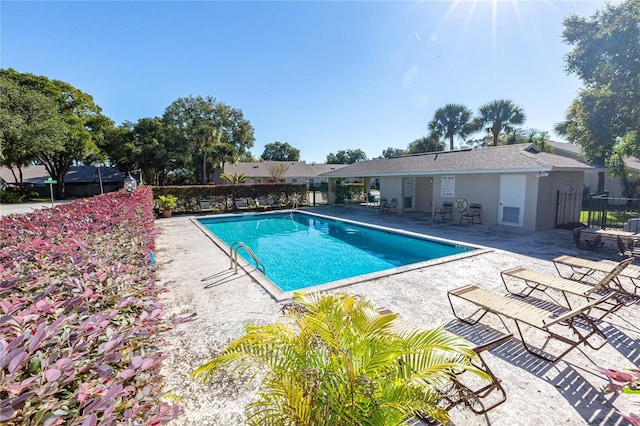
262,205
241,204
444,211
471,213
584,269
541,282
478,395
478,398
205,207
577,325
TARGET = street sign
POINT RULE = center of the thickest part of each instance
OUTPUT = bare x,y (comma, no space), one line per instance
51,181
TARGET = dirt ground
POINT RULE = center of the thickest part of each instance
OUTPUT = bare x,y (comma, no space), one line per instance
197,275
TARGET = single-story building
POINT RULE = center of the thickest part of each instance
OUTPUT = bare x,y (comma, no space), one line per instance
517,185
282,171
80,181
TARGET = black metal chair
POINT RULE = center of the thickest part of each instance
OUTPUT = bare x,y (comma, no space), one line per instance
471,214
444,211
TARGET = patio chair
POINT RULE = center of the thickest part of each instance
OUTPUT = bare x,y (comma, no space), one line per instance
471,214
589,244
479,398
539,281
205,207
382,206
628,249
393,206
570,328
444,211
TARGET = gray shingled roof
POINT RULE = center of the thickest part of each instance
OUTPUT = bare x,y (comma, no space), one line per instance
263,169
76,174
570,148
632,163
515,158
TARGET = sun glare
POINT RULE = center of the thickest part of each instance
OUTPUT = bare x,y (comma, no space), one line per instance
471,7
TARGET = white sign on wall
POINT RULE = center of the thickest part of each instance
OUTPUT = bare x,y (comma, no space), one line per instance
448,184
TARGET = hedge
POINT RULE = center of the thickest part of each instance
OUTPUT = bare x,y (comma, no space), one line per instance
80,325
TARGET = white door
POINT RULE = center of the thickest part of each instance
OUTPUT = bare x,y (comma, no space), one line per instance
408,194
511,199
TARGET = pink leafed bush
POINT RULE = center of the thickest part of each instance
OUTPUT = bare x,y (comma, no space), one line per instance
625,381
80,322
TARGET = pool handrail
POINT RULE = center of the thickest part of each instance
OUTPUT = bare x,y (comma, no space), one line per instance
233,250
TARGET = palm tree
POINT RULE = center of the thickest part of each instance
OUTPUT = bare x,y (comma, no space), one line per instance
234,178
453,120
336,360
501,115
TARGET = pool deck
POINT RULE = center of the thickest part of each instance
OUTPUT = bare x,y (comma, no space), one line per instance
196,273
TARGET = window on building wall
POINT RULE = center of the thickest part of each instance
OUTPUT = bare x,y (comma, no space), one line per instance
258,180
294,180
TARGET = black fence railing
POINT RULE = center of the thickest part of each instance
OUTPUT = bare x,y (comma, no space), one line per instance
605,212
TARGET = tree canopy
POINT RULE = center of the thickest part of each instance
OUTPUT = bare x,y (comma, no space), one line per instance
77,123
348,156
605,55
28,123
278,151
429,143
210,132
393,152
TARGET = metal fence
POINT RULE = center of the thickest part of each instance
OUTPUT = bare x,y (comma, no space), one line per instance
605,212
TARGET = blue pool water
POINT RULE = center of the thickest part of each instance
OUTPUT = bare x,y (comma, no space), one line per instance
301,250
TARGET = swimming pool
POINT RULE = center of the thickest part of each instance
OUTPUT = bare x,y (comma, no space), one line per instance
302,250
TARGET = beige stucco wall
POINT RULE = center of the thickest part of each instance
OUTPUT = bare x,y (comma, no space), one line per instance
391,187
547,197
475,188
539,204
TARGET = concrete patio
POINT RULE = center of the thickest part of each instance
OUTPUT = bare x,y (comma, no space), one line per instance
196,273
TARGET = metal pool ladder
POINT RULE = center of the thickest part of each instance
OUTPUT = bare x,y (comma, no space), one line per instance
233,256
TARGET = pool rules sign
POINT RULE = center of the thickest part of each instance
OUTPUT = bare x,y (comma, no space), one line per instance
448,185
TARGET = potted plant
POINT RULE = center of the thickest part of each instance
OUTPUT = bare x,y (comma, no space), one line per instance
167,203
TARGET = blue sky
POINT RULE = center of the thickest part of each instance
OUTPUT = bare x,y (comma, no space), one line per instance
321,76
